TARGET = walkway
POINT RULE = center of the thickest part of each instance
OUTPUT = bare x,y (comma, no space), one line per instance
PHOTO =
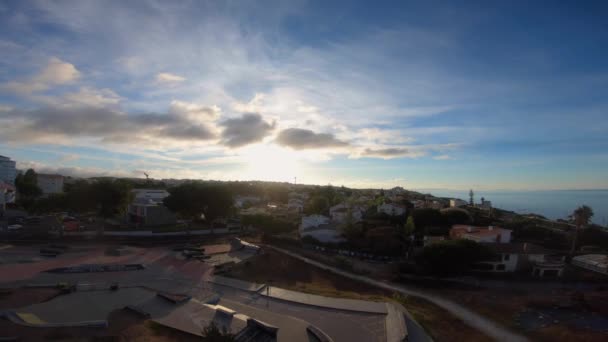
471,318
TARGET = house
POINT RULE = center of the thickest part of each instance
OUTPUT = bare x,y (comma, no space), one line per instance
435,205
593,262
490,234
418,204
340,213
295,204
243,200
430,240
319,227
392,209
312,221
522,257
456,203
50,184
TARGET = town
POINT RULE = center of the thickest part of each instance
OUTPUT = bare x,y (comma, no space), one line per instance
265,261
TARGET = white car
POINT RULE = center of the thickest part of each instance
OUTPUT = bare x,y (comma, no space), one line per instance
14,227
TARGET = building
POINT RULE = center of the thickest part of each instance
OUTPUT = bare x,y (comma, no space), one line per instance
147,208
50,184
319,227
149,195
295,205
485,204
241,200
7,195
592,262
522,257
392,209
340,213
456,203
8,170
490,234
312,221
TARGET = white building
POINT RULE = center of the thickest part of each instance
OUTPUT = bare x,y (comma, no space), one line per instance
488,234
50,184
391,209
295,204
155,196
8,170
241,200
455,203
312,221
340,212
485,204
521,257
318,227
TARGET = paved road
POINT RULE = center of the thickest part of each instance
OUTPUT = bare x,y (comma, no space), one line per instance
471,318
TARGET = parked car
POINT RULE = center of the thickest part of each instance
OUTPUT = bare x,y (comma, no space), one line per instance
14,227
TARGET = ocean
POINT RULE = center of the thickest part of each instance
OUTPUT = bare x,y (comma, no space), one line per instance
553,204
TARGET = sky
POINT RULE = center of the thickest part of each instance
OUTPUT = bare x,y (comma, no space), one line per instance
452,95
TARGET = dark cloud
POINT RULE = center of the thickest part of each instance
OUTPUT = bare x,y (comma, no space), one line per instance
301,139
248,129
103,123
391,152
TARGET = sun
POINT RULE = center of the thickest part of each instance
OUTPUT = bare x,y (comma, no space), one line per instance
271,163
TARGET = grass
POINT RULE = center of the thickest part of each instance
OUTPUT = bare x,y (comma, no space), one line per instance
284,271
440,324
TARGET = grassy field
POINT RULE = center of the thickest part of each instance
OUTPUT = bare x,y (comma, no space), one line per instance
284,271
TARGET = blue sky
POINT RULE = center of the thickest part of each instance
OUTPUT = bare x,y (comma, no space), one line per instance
488,95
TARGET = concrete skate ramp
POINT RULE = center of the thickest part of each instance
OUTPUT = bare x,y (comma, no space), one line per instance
85,306
236,284
326,302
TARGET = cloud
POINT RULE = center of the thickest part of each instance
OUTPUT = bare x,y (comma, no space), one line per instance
391,152
442,157
302,139
165,77
57,72
87,96
249,128
52,124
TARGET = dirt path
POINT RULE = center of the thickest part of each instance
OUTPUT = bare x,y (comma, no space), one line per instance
471,318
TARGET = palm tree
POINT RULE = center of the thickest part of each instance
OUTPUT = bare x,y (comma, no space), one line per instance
581,217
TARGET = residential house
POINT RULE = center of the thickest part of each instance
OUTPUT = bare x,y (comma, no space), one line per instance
490,234
593,262
456,203
485,204
295,204
392,209
319,227
522,257
243,200
150,195
339,213
50,184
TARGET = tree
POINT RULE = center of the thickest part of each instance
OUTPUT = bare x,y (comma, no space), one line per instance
452,256
427,217
196,198
410,226
471,199
27,184
581,217
111,197
318,205
212,333
349,228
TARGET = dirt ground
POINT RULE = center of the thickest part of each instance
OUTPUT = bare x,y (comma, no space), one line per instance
291,273
16,298
505,307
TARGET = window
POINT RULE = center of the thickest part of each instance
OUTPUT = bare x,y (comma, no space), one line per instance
500,267
507,257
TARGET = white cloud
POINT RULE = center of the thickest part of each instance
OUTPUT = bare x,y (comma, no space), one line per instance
56,72
87,96
165,77
442,157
